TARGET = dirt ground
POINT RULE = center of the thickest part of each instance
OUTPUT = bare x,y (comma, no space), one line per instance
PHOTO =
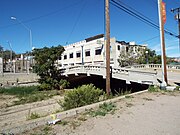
144,114
6,100
13,116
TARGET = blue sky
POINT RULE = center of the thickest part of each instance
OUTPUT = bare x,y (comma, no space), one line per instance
58,22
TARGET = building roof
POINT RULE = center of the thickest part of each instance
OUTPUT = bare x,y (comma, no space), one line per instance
94,37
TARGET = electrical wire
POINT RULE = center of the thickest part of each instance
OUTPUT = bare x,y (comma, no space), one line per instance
139,16
42,16
130,12
147,40
75,24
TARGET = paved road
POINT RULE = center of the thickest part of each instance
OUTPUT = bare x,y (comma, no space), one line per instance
172,75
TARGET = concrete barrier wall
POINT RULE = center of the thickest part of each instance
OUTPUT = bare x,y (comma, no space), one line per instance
118,73
17,77
157,66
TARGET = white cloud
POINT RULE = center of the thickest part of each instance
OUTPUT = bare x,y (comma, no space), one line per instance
157,48
174,55
171,48
171,51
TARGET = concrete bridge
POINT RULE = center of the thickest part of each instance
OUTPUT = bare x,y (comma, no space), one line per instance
129,75
141,74
144,74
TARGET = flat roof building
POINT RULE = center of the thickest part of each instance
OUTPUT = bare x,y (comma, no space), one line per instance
1,65
91,51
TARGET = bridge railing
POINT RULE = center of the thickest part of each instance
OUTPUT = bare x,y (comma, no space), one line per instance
156,66
101,70
90,68
118,73
83,69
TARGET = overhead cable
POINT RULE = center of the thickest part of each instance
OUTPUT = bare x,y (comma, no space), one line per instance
139,16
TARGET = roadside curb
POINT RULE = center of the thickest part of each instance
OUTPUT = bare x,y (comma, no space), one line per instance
28,125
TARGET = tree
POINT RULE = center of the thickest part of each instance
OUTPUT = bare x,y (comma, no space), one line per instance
152,57
7,55
126,58
45,66
1,48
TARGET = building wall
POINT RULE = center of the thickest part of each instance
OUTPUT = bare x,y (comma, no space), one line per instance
1,65
87,52
97,48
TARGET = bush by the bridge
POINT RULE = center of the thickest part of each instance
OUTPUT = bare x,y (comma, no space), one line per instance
51,84
84,95
64,84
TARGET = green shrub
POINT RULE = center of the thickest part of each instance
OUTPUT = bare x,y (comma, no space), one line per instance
38,96
19,91
122,92
153,88
44,86
84,95
64,84
28,94
177,88
33,116
54,84
104,109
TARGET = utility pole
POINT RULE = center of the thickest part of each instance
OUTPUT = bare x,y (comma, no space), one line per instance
2,63
163,54
107,47
177,17
28,61
10,55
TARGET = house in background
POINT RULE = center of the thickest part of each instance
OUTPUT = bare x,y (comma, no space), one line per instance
20,64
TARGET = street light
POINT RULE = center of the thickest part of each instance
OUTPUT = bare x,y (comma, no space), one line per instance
30,35
147,57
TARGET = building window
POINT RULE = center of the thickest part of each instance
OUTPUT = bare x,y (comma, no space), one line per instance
118,47
71,64
65,57
87,53
127,49
98,51
71,55
59,57
78,54
98,41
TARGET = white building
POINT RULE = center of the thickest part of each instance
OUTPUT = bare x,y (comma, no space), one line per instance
91,51
1,65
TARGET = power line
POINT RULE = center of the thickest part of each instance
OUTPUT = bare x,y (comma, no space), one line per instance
148,39
177,16
42,16
130,12
139,16
76,21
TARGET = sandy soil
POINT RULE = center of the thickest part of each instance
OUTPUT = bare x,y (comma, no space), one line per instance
6,100
16,115
143,114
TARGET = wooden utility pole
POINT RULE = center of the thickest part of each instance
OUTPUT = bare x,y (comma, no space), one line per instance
177,17
107,47
163,54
